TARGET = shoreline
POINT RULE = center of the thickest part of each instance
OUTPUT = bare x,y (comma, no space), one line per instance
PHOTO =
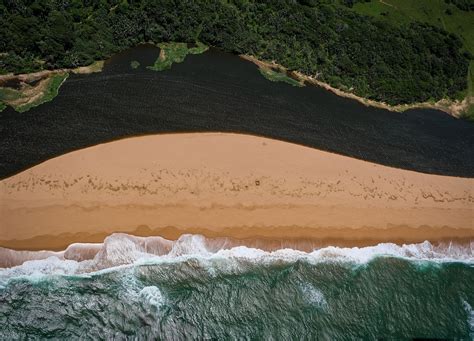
304,239
85,247
228,185
453,108
33,89
96,66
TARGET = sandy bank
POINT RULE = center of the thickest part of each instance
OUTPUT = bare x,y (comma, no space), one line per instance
227,185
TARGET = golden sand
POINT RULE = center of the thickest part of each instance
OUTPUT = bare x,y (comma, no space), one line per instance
228,185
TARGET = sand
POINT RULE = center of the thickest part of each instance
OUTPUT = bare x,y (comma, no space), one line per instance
228,185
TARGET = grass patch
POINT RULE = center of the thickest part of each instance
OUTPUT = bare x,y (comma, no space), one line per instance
277,76
134,64
29,97
8,94
468,114
51,91
92,68
175,53
199,48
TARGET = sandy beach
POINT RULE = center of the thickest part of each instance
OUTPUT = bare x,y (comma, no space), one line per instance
228,185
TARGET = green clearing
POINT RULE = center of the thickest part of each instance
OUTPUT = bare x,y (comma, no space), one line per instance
469,114
96,66
51,91
276,76
6,95
435,12
9,96
134,64
175,53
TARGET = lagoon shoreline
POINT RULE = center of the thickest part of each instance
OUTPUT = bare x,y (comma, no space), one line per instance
219,92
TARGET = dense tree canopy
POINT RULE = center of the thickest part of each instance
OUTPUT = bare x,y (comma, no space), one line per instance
372,58
463,5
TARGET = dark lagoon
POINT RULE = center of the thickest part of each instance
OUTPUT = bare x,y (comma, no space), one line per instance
216,91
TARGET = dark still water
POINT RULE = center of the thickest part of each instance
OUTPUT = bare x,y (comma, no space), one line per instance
220,92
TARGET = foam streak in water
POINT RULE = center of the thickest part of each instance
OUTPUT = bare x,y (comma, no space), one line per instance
314,296
470,318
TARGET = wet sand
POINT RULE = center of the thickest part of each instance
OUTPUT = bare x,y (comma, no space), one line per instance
228,185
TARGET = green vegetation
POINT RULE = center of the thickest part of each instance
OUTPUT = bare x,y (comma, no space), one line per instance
96,66
463,5
175,53
469,113
277,76
8,94
434,12
134,64
404,60
198,49
449,15
29,97
48,94
3,106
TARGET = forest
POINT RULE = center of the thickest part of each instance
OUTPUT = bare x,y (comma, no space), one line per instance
372,58
464,5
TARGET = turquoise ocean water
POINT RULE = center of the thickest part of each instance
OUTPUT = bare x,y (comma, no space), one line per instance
150,288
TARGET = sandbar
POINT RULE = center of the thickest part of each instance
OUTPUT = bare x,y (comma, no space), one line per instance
228,185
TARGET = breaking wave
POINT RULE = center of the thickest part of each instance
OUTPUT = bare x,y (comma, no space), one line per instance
121,249
203,288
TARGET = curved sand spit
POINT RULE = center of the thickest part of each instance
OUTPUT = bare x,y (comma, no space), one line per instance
228,185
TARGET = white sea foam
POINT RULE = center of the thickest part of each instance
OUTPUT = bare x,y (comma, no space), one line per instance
470,318
314,296
9,258
37,268
82,251
123,250
190,244
151,297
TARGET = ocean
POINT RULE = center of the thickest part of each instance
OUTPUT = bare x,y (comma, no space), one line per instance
196,288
